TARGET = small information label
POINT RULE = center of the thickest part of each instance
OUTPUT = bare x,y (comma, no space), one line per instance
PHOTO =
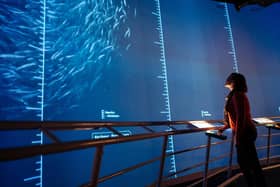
107,134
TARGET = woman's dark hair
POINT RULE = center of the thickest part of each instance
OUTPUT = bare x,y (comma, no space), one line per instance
239,82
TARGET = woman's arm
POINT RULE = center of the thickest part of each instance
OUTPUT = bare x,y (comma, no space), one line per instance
226,122
238,102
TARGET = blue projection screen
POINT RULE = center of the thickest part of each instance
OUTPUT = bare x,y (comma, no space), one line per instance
126,60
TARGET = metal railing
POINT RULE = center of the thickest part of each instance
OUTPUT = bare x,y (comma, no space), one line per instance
57,146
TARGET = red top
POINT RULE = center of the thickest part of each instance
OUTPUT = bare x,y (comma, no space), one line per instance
239,118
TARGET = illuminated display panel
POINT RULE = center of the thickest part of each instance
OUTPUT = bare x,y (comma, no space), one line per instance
127,60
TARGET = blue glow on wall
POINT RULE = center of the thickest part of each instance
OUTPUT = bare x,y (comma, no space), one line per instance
126,60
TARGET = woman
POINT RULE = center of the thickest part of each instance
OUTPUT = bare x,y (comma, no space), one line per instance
238,118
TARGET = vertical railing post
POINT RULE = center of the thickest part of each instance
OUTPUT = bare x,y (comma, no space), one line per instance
210,133
270,126
96,165
162,161
230,156
268,145
207,161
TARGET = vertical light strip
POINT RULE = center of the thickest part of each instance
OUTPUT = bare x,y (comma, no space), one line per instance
42,86
231,40
43,60
164,77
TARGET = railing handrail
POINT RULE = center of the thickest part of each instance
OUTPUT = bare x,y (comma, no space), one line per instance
28,151
56,125
61,125
7,154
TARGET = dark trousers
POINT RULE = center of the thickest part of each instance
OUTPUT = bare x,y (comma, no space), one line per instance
248,161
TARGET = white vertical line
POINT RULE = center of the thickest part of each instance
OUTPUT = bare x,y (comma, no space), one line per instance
165,79
231,40
43,60
41,171
163,58
42,86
